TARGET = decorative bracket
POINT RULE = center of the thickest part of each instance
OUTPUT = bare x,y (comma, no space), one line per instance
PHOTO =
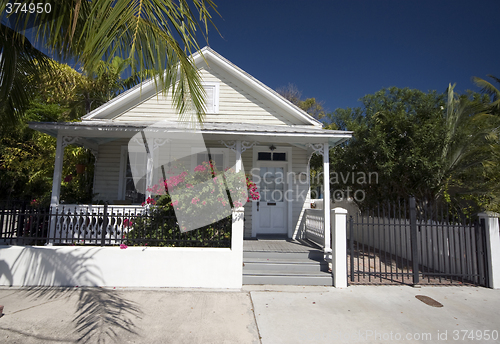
69,140
318,148
157,142
230,144
244,145
247,145
138,140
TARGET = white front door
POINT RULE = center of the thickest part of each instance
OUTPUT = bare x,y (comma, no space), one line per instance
270,212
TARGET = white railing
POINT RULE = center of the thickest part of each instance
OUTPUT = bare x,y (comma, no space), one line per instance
83,224
315,226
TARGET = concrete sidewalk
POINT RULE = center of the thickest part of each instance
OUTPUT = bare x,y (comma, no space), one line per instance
255,314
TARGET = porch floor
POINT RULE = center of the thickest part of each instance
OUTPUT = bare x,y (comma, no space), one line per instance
266,245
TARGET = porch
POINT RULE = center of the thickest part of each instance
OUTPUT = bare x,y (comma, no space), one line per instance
131,157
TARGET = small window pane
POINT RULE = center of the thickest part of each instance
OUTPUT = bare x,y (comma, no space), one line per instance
279,156
264,156
200,158
218,159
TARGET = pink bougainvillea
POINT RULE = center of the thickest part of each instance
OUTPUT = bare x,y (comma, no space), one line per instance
252,189
190,199
149,200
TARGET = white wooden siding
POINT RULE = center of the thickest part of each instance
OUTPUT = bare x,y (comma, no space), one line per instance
107,170
236,105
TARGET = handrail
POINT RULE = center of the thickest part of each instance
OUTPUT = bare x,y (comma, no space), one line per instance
315,226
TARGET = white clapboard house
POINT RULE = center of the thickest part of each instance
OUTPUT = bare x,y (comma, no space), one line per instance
247,125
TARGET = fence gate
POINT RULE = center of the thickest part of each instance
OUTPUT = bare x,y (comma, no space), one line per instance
416,244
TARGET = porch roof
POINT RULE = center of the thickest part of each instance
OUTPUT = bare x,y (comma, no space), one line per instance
99,132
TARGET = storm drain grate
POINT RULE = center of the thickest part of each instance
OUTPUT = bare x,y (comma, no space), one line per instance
429,301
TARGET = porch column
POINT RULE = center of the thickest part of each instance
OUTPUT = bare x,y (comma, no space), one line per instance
326,199
237,242
339,255
492,232
149,173
239,162
238,224
57,178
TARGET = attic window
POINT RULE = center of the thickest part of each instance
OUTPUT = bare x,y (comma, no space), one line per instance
212,91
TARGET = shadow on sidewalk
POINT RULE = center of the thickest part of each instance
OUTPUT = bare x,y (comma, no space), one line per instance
102,315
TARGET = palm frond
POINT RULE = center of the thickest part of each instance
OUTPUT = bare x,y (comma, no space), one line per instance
156,35
488,88
21,66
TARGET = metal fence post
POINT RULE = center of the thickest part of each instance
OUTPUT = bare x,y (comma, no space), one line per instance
104,224
414,240
21,222
351,247
482,261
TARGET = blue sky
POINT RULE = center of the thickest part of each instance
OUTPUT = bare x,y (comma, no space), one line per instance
338,51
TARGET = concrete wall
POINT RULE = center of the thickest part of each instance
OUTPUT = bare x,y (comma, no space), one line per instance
130,267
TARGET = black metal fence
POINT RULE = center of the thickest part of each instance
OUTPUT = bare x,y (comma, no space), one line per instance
104,226
416,244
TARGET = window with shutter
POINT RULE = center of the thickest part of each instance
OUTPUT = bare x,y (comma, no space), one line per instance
212,99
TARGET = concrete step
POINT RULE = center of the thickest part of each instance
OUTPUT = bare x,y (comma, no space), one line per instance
316,255
291,268
284,265
289,278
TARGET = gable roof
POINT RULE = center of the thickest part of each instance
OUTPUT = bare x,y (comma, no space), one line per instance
147,89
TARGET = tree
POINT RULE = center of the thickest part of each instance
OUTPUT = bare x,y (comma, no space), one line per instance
492,165
95,89
491,90
309,105
27,156
155,35
429,145
26,159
